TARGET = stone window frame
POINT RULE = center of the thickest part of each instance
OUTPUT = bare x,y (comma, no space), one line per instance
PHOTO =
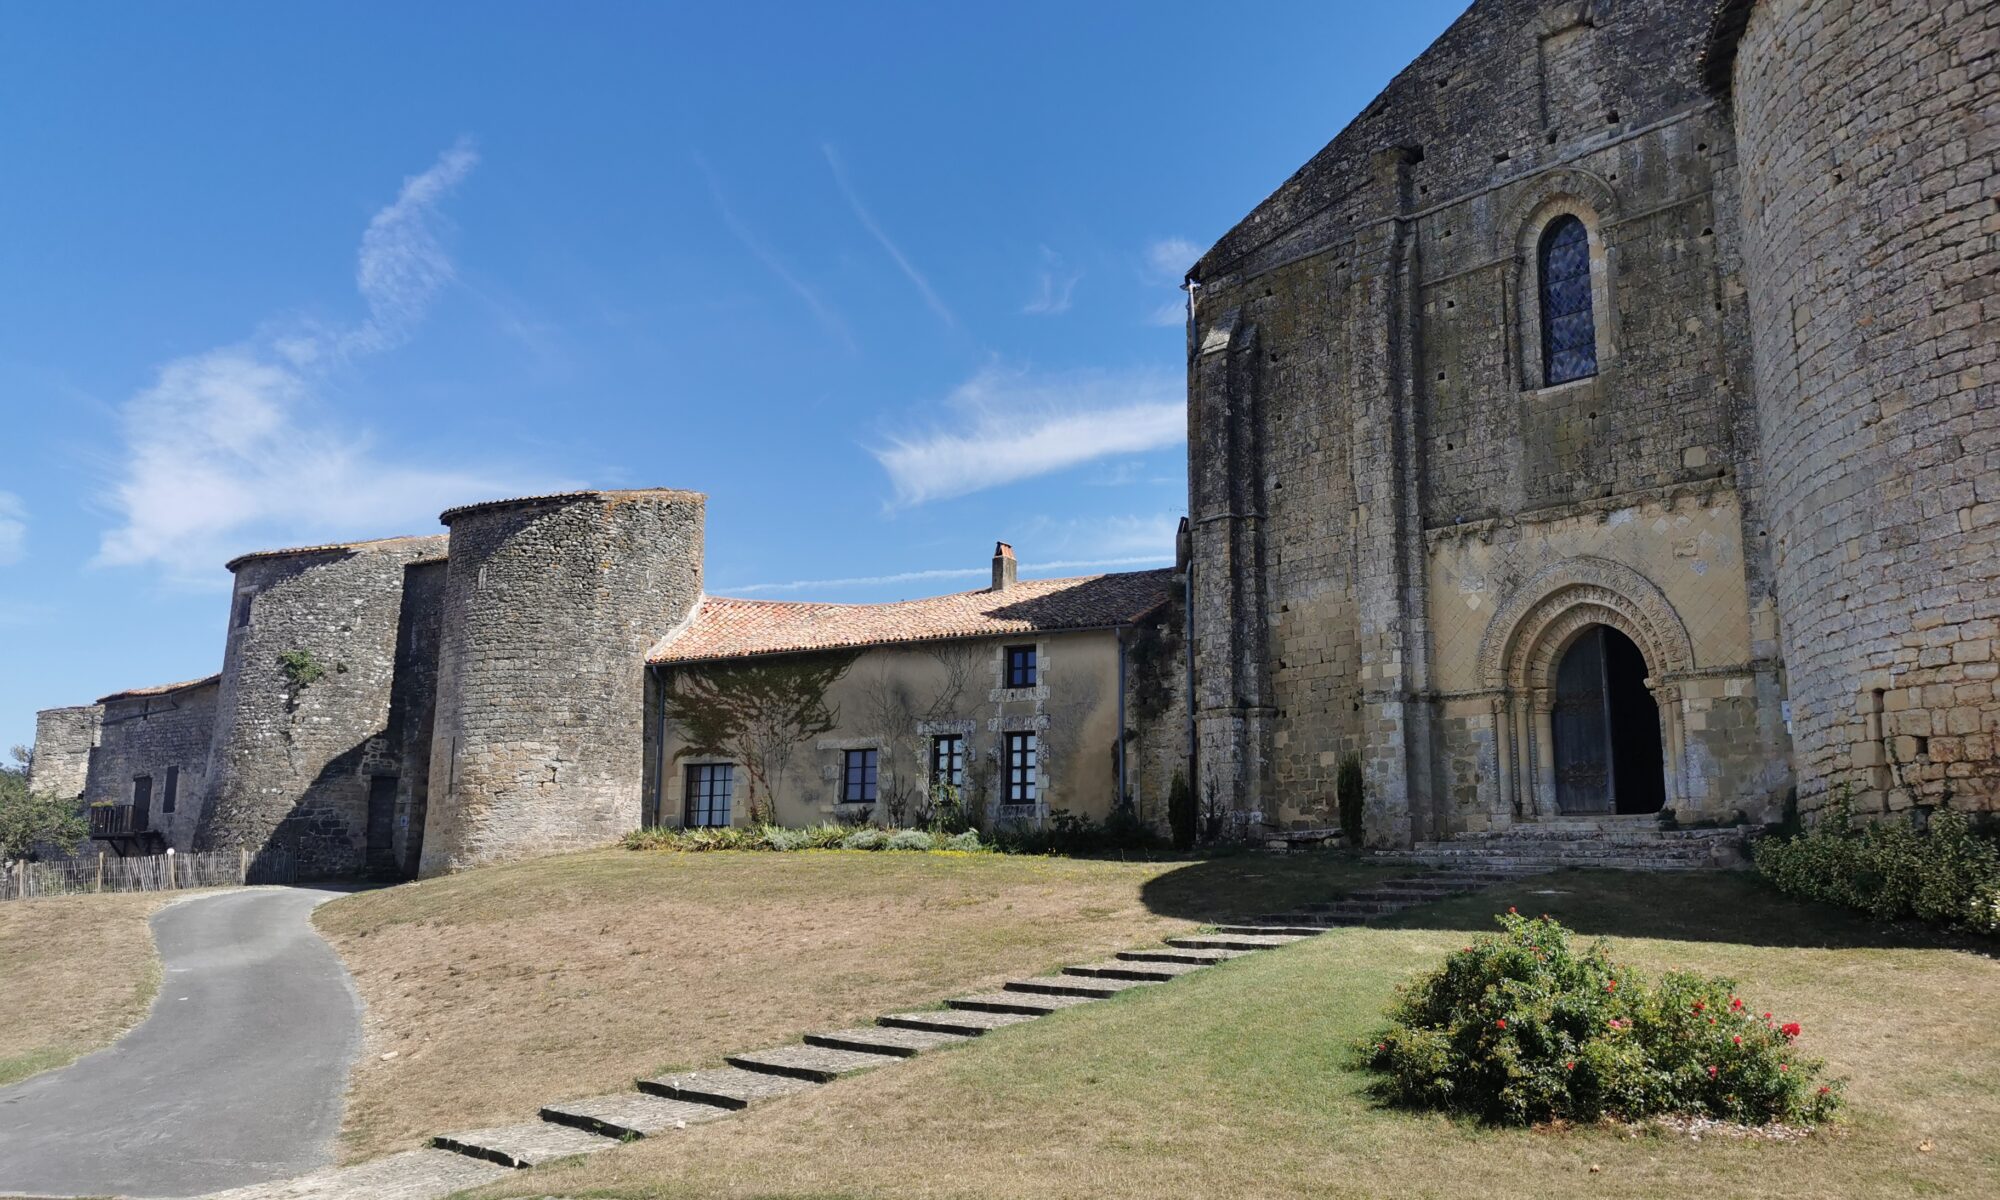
1038,724
673,789
1567,192
693,763
832,753
1001,693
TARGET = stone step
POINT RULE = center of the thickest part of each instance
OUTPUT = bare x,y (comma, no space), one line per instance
814,1064
967,1022
1317,922
1033,1004
1095,988
429,1174
631,1114
1156,972
526,1145
1293,931
1233,941
724,1087
1181,955
1528,865
885,1039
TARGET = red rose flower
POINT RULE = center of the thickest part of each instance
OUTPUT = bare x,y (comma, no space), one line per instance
1739,1039
1502,1022
1711,1072
1783,1067
1512,909
1791,1029
1698,1006
1767,1016
1569,1066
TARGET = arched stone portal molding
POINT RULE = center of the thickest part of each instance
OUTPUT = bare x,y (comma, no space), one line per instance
1527,637
1532,627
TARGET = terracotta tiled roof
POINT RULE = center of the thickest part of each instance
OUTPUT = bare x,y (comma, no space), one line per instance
160,690
728,628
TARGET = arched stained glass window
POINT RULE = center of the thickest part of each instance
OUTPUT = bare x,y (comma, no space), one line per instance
1569,331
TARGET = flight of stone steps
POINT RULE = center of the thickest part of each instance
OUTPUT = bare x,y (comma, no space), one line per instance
1621,843
661,1104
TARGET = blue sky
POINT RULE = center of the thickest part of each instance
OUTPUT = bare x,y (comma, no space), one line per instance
888,282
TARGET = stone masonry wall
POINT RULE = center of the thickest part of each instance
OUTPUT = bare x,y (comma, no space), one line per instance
148,735
63,740
413,705
291,767
1365,372
1867,131
550,605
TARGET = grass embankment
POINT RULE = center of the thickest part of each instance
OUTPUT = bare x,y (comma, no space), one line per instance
75,972
505,988
1238,1081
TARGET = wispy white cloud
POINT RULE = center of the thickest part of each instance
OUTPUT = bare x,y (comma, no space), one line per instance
1053,285
1007,425
1169,315
1168,259
13,529
762,252
868,222
230,449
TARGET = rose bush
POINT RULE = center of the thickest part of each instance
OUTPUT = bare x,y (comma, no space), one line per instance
1521,1027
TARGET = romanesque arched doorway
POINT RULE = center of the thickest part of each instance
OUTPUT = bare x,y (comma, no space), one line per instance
1606,728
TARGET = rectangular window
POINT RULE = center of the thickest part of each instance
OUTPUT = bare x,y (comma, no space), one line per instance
1020,666
857,781
172,791
242,615
708,787
1021,768
948,759
142,803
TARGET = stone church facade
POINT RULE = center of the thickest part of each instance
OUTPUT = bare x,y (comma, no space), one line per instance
1607,421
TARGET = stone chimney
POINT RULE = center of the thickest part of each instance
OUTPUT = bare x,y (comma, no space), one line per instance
1004,566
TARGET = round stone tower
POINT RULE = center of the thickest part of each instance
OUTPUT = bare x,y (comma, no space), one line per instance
550,605
302,715
1867,161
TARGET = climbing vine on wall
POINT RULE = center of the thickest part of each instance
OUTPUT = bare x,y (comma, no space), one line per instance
758,713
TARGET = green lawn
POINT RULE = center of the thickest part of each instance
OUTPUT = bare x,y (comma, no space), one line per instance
493,992
1238,1082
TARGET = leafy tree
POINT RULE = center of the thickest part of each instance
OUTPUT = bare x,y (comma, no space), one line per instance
29,823
758,713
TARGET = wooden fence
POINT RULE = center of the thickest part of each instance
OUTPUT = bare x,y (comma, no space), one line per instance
152,873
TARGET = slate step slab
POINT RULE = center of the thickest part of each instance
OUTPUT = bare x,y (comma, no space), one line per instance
1033,1004
1075,985
528,1145
1234,941
724,1087
968,1022
1172,954
630,1114
814,1064
885,1039
428,1174
1295,930
1152,972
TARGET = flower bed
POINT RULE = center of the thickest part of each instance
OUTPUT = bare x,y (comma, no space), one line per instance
1520,1027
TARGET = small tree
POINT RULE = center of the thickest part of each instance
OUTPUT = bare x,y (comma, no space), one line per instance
1181,811
29,822
759,713
1347,788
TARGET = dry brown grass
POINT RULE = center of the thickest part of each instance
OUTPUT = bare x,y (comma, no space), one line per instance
75,972
1239,1082
506,988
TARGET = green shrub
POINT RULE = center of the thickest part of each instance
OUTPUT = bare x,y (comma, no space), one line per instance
910,839
1892,870
1065,832
967,841
779,838
866,838
1181,811
692,840
1520,1027
1347,791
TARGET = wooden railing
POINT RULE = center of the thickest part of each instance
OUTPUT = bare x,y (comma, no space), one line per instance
117,820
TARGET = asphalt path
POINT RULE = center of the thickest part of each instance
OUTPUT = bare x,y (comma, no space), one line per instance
235,1077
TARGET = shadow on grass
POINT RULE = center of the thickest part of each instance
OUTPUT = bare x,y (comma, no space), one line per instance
1241,884
1735,907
